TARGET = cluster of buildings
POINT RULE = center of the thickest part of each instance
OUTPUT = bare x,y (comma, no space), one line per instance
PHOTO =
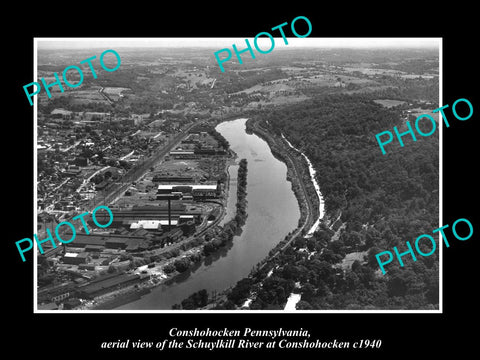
69,295
71,146
107,260
188,191
135,231
196,145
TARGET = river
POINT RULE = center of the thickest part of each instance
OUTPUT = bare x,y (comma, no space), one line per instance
272,211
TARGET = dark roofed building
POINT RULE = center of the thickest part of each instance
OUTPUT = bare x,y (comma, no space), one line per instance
137,244
188,228
171,236
132,247
82,240
107,283
74,258
169,196
142,232
166,178
123,217
49,306
139,208
71,304
94,248
116,243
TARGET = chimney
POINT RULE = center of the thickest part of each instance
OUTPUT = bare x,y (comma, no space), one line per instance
169,216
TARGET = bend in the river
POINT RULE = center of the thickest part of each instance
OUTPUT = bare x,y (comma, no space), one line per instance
273,212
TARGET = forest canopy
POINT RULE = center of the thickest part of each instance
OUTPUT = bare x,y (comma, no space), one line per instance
380,201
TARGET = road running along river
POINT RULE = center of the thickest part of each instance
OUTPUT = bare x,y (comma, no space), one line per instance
272,211
321,203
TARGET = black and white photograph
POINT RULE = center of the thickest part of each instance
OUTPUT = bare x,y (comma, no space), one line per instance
259,187
299,181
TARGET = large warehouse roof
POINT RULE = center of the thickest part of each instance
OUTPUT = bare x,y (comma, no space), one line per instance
194,187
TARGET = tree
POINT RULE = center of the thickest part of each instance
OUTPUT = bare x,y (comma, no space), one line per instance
182,265
169,268
201,298
300,242
308,292
124,257
240,291
188,304
195,257
311,244
397,285
209,248
304,305
356,266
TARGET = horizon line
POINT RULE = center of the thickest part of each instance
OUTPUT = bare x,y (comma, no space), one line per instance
226,42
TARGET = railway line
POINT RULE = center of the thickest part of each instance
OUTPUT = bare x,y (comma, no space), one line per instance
310,209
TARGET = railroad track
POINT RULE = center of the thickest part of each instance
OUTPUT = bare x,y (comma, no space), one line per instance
296,171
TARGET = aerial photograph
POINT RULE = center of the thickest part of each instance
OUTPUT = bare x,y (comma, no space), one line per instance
240,184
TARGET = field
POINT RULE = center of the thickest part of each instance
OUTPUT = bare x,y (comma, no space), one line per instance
270,88
115,93
79,96
389,103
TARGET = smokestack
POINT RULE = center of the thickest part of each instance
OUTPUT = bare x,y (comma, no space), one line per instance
169,216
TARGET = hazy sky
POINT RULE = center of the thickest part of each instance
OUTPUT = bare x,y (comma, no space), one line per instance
264,42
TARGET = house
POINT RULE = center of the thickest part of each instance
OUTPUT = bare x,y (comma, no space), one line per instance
74,258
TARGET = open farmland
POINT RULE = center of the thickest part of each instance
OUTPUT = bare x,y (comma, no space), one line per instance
388,103
115,93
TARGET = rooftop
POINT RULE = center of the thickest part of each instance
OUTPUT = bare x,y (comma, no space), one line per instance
194,187
146,224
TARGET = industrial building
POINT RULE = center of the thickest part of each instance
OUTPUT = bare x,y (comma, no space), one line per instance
180,154
198,191
185,218
109,241
151,225
167,178
155,226
74,258
125,217
171,236
106,283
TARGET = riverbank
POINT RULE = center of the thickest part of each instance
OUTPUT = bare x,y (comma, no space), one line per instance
214,240
312,172
273,214
233,226
299,174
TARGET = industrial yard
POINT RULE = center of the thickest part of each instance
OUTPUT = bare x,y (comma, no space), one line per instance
159,222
